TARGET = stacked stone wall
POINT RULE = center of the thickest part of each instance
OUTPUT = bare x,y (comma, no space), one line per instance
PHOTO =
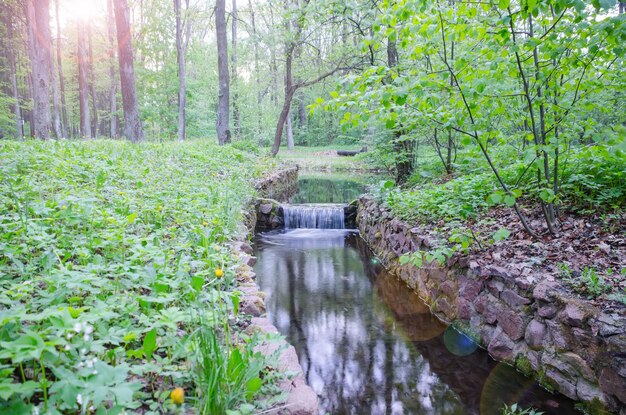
523,319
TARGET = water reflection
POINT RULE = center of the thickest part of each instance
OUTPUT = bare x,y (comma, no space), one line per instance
367,344
325,189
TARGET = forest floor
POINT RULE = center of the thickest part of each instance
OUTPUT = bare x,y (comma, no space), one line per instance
324,158
115,272
588,256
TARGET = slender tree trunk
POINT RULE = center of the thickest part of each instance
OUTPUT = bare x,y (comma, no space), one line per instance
289,133
182,77
83,94
92,83
622,7
132,123
17,112
289,92
301,111
60,72
112,77
56,115
257,70
233,59
38,14
223,107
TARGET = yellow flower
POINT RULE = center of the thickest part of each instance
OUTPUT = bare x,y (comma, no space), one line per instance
178,396
159,208
64,207
205,223
219,273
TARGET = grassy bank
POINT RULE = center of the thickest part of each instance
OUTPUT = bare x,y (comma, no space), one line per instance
324,158
115,276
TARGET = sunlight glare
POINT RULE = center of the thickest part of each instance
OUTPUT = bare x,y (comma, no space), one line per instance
83,9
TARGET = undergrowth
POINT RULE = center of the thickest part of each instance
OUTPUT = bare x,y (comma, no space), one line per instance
110,253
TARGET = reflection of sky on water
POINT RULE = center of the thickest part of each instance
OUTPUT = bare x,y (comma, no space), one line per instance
367,344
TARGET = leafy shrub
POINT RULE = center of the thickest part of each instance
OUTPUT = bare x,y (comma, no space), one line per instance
517,410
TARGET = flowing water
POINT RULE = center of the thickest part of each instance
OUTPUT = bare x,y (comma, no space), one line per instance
368,344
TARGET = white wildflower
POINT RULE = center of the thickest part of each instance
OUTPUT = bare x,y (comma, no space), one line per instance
95,372
36,410
79,399
88,329
78,327
86,337
67,347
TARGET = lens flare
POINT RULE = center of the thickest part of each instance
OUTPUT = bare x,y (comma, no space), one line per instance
458,343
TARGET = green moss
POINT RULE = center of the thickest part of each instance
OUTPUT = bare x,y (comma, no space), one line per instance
593,407
523,365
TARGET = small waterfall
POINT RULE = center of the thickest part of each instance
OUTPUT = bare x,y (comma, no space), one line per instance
314,216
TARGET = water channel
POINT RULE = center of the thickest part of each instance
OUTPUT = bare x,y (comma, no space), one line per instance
368,344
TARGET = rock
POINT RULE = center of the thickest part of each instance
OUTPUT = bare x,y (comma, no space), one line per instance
587,391
501,347
548,311
613,384
495,287
266,208
561,338
513,299
545,291
444,306
535,333
470,289
512,323
252,305
573,315
562,383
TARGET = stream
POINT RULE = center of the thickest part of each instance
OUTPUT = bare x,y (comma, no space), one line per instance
366,342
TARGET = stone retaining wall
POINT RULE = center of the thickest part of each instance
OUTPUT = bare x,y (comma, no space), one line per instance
525,320
301,399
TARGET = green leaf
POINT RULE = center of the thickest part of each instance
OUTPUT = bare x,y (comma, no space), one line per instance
252,386
131,218
501,234
150,343
504,4
509,200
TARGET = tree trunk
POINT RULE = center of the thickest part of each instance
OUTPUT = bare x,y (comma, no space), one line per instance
233,59
113,85
222,122
60,71
83,94
289,133
257,72
301,111
38,13
92,84
181,47
17,112
56,115
289,91
132,123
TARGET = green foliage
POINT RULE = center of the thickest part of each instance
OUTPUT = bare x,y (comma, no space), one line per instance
460,198
227,374
588,282
515,409
108,248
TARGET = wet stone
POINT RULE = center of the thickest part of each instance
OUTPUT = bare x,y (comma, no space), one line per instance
501,347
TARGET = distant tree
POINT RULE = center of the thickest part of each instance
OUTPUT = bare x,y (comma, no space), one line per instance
223,107
183,33
132,122
233,58
113,84
92,82
83,84
64,126
8,44
38,17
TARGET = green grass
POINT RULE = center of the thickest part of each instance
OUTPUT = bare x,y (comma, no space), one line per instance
108,254
315,158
